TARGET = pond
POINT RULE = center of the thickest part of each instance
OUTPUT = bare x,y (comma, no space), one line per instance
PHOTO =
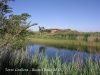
64,54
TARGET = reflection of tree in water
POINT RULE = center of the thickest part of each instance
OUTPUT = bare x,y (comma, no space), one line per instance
42,49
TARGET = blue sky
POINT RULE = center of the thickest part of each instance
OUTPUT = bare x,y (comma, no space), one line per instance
81,15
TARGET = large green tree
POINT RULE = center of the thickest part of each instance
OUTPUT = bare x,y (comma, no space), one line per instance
14,29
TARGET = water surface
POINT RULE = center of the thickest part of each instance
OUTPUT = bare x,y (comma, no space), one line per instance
64,54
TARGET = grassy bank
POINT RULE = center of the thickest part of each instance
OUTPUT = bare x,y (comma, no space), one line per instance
68,44
42,66
69,39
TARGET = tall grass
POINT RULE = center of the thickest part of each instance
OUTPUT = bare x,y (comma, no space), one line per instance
69,44
73,35
41,65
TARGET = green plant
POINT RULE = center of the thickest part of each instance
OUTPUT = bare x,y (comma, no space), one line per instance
44,66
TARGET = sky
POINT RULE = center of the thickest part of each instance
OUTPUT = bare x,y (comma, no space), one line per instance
80,15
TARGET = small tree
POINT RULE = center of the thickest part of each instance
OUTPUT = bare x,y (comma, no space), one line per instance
41,29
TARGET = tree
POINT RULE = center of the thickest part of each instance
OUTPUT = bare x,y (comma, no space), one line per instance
41,29
13,29
4,9
16,28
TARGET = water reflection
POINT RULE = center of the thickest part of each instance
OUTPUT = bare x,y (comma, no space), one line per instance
42,49
64,54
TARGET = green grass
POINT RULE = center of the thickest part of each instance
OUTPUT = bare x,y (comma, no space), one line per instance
68,44
88,42
73,35
54,66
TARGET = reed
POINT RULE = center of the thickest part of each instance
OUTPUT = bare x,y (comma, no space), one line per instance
68,44
41,65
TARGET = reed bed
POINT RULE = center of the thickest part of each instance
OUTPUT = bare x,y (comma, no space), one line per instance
19,63
68,44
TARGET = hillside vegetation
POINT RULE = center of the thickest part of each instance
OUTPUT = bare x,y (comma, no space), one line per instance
86,41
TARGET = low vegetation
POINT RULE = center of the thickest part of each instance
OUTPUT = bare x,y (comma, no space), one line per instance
84,41
68,44
70,35
14,63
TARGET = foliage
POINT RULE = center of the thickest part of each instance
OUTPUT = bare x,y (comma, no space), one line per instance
46,30
96,40
14,29
70,35
35,66
68,44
